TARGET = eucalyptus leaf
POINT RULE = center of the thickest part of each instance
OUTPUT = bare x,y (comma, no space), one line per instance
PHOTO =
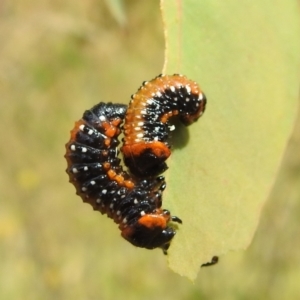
245,56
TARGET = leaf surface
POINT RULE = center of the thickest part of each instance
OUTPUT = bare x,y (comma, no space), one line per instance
245,56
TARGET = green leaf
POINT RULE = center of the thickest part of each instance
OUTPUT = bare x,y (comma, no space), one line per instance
245,56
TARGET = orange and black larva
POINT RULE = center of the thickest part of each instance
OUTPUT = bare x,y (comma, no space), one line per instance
94,169
147,128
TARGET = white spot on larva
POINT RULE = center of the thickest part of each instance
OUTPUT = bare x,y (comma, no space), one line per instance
102,118
158,94
187,99
118,212
104,192
98,200
124,221
142,213
149,101
140,123
143,112
93,182
188,89
74,170
90,132
140,135
200,97
111,206
172,88
85,168
84,189
172,127
81,127
156,129
123,196
73,147
156,138
83,149
137,128
135,201
175,98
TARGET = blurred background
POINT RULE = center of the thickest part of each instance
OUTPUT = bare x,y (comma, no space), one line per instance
58,58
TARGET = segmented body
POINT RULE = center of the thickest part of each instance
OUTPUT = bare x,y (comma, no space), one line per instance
94,169
147,127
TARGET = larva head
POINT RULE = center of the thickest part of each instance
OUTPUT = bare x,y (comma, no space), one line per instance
151,231
144,237
146,159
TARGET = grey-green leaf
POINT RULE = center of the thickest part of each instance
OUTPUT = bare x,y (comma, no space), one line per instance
245,56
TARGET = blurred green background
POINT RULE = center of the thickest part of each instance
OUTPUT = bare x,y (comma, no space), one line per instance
58,58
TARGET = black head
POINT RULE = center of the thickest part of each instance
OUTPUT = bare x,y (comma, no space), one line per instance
149,238
146,164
